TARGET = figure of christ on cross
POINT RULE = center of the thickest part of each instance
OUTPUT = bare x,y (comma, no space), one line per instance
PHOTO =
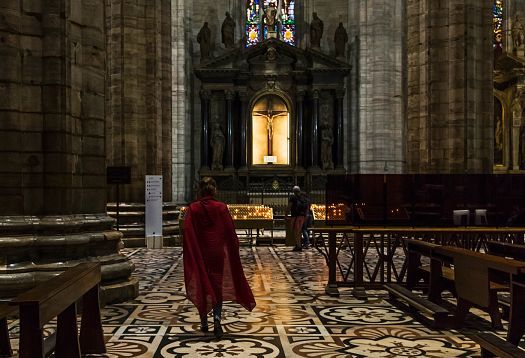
270,115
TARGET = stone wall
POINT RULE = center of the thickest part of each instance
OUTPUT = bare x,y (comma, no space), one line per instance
375,104
52,139
138,103
450,100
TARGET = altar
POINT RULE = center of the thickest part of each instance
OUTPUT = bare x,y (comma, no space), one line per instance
271,111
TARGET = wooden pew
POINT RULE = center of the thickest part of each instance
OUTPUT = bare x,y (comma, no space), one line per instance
58,297
434,278
472,273
494,346
513,251
5,344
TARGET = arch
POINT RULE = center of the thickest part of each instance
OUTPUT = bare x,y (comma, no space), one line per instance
271,134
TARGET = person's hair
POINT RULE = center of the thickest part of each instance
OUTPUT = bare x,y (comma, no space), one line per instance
207,187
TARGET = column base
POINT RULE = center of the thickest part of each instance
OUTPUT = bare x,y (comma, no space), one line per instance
35,249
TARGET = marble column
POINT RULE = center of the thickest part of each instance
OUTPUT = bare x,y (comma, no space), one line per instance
230,143
243,96
299,129
339,141
450,86
314,132
205,124
52,138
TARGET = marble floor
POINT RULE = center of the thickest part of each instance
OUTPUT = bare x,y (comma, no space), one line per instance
293,317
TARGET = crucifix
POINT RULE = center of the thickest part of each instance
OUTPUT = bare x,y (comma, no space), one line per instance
270,115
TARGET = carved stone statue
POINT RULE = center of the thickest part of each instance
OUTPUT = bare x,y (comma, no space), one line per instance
204,38
270,16
217,141
340,40
518,34
316,31
228,31
516,107
327,141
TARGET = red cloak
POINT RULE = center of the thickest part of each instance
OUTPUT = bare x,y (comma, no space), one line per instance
212,266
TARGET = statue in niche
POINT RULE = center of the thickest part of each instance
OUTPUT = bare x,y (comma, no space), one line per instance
270,16
204,40
228,31
327,141
217,142
327,138
518,34
340,40
516,107
316,31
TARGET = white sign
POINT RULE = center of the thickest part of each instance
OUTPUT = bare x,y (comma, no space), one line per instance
153,206
270,159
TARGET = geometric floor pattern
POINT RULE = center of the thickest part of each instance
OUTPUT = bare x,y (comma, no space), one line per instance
293,317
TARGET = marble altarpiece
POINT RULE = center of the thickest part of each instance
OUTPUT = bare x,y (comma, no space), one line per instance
281,112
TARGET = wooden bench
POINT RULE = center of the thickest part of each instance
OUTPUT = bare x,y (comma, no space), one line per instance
513,251
494,346
57,298
472,274
416,271
438,277
5,344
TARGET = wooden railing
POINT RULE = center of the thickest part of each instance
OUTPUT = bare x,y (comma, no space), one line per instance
57,298
367,258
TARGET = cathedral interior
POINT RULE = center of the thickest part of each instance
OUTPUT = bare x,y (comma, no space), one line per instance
401,120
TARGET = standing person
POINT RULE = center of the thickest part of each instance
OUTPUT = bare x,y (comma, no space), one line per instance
297,207
308,221
213,271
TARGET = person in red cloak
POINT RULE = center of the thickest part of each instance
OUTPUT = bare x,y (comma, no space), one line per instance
213,271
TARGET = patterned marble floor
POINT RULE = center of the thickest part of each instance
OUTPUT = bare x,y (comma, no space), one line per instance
293,317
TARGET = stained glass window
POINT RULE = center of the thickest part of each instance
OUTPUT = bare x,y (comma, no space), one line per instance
257,28
497,15
253,23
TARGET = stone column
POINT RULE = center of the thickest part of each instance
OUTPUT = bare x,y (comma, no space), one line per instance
243,96
139,92
205,125
339,138
230,152
52,138
299,129
314,149
450,86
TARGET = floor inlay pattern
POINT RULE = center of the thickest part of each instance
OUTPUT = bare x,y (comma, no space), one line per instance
293,317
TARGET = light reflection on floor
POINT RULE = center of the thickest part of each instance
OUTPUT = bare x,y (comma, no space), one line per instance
293,317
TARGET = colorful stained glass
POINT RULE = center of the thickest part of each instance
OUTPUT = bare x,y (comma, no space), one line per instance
497,15
255,22
288,34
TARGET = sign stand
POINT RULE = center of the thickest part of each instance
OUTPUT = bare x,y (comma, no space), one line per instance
117,176
153,196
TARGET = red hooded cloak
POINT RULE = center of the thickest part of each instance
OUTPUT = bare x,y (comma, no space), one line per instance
212,266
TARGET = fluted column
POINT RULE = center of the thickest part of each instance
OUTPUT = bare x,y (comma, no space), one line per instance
230,152
299,129
339,140
314,149
205,125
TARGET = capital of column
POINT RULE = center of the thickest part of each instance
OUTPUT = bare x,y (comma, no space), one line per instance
229,95
340,93
300,96
315,94
205,94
